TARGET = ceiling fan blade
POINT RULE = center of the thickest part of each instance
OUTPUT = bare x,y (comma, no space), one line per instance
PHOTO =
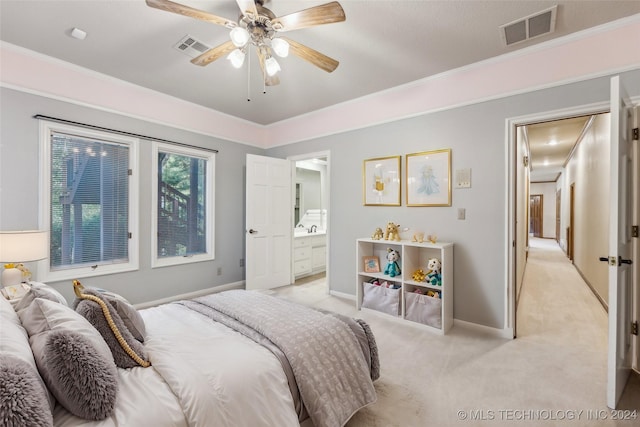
318,15
248,6
262,55
316,58
214,53
181,9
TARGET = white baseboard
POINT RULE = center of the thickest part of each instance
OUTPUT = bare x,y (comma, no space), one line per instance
501,333
191,295
342,295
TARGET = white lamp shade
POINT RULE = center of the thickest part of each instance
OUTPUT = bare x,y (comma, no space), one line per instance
236,58
271,66
23,246
239,36
280,47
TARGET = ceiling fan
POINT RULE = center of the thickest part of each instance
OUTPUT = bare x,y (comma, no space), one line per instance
260,27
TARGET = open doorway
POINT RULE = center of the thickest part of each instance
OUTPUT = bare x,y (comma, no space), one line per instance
567,154
536,204
310,238
595,172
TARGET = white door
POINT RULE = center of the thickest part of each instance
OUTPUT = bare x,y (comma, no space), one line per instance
268,222
620,273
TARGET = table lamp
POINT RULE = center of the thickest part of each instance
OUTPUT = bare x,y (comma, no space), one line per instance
17,247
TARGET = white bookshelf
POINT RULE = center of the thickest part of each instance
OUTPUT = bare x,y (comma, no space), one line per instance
413,256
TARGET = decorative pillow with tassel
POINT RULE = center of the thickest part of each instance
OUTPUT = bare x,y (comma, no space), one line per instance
127,351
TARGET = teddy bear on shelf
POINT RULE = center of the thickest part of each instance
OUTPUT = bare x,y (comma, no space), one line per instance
433,294
434,277
377,235
392,268
392,232
419,275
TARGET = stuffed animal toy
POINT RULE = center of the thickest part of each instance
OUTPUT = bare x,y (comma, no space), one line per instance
418,237
392,268
419,275
392,232
434,277
377,235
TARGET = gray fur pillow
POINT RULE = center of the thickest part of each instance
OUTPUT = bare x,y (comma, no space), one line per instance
92,311
72,358
23,400
82,381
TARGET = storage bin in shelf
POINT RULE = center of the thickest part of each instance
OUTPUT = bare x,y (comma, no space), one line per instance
423,309
380,298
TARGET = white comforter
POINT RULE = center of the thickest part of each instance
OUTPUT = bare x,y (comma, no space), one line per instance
202,374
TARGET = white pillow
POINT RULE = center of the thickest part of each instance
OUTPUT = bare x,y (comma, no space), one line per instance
39,290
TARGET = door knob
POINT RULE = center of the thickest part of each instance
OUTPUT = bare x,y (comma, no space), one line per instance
604,259
252,231
624,261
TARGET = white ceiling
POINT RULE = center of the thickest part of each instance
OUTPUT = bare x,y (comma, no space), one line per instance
382,44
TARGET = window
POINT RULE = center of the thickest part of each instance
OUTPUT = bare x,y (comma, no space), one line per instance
183,182
88,205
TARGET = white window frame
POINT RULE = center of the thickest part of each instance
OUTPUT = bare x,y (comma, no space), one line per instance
210,158
44,267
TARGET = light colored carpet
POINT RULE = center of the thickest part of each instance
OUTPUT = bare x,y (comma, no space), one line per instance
553,374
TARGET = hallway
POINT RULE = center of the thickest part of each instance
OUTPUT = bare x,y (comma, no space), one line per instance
556,301
557,308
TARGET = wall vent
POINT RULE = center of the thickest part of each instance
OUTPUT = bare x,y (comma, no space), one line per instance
529,27
190,46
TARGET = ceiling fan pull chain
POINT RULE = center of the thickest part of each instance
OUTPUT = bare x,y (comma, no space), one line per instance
249,74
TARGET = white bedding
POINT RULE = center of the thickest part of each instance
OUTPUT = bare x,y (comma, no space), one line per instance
202,374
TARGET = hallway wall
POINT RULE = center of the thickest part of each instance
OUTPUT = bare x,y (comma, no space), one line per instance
589,170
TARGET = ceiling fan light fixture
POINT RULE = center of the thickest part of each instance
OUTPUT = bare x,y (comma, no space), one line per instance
236,57
280,47
239,36
271,66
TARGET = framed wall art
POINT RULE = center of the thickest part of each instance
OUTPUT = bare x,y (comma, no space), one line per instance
381,181
429,178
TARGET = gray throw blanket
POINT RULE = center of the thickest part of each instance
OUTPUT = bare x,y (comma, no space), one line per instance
327,360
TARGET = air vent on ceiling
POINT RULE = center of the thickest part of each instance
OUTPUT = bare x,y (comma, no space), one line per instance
191,47
529,27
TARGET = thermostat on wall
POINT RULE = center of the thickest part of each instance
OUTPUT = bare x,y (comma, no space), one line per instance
463,178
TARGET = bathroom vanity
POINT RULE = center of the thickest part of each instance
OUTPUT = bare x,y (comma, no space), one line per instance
309,253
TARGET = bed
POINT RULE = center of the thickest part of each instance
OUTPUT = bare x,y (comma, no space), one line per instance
235,358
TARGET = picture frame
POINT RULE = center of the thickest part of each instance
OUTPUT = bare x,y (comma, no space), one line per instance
428,178
371,264
381,181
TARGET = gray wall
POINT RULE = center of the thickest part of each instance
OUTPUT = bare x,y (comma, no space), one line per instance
589,172
19,178
476,135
